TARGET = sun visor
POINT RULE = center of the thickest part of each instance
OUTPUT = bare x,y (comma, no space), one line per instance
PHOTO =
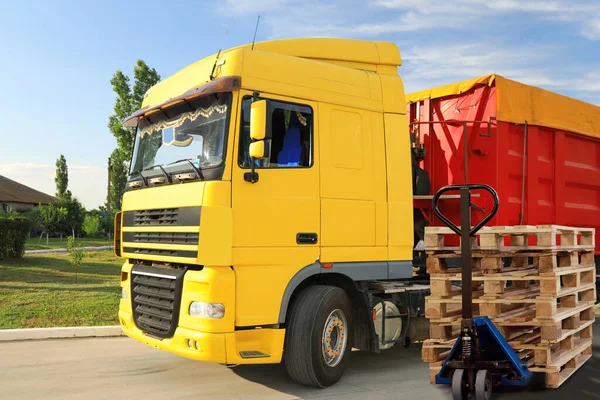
220,85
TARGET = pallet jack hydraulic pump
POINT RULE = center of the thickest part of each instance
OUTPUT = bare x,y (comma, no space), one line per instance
481,358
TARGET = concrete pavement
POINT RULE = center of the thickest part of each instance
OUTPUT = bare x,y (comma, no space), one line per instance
60,250
120,368
60,333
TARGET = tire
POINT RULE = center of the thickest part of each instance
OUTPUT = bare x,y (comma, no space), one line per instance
305,350
460,389
483,385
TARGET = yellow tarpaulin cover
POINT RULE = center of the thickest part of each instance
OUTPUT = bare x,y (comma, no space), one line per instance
517,103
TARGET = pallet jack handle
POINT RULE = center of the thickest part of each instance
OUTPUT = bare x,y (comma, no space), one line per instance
466,232
465,189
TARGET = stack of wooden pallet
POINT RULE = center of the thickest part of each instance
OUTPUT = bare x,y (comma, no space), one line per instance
536,283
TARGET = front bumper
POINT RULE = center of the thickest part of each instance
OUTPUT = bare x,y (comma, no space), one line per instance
222,348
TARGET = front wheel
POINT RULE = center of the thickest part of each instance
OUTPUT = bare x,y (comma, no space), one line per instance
460,386
318,336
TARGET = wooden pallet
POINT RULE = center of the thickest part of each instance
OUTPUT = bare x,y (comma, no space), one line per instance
545,237
544,354
542,301
547,261
571,359
551,283
552,331
546,307
558,361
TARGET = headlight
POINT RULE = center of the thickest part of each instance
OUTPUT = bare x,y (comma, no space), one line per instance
207,310
124,293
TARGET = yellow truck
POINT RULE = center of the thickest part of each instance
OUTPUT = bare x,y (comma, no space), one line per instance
268,214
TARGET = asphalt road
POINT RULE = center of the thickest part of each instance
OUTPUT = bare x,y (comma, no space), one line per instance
120,368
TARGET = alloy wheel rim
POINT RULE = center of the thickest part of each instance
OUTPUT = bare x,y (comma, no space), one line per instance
334,338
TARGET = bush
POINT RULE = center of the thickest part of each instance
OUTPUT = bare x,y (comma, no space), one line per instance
91,225
106,219
13,234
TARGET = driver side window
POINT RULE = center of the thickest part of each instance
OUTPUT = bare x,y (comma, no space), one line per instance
291,142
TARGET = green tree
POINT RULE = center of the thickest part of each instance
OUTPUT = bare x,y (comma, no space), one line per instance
50,217
62,178
129,99
34,218
75,254
71,223
106,219
91,225
118,179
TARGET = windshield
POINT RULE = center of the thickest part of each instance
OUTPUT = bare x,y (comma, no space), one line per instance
192,131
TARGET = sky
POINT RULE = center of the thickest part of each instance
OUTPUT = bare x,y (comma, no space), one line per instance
57,59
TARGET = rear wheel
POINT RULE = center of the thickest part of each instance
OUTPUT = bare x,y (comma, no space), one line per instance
483,385
318,336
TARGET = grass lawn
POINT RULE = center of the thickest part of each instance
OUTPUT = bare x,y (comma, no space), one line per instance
40,291
55,243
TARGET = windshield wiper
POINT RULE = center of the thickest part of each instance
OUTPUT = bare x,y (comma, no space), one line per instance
198,171
163,171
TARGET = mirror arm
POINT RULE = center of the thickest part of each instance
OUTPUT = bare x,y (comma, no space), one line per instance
251,176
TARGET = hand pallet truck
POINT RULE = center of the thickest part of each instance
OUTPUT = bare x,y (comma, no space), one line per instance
481,358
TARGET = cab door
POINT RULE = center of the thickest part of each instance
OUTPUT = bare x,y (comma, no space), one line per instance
282,209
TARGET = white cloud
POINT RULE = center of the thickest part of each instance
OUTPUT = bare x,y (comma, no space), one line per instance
426,67
254,6
294,18
445,41
429,66
86,182
484,6
591,29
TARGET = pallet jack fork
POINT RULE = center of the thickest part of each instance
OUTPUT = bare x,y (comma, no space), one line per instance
481,358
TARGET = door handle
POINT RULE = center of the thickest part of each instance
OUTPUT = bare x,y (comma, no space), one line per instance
306,238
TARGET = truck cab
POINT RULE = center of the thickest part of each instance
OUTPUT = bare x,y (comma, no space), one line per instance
270,190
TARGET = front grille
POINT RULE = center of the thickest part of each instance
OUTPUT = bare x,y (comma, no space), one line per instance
182,216
161,237
156,298
161,252
160,216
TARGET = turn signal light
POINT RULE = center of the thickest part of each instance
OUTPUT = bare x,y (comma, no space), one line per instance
117,233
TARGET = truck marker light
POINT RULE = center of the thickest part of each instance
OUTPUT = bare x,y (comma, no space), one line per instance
327,265
123,276
124,293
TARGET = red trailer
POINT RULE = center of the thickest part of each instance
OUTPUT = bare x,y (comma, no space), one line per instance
538,149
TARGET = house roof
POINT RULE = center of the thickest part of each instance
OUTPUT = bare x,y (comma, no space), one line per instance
11,191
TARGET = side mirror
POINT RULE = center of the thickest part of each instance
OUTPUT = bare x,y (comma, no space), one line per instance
260,120
258,149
